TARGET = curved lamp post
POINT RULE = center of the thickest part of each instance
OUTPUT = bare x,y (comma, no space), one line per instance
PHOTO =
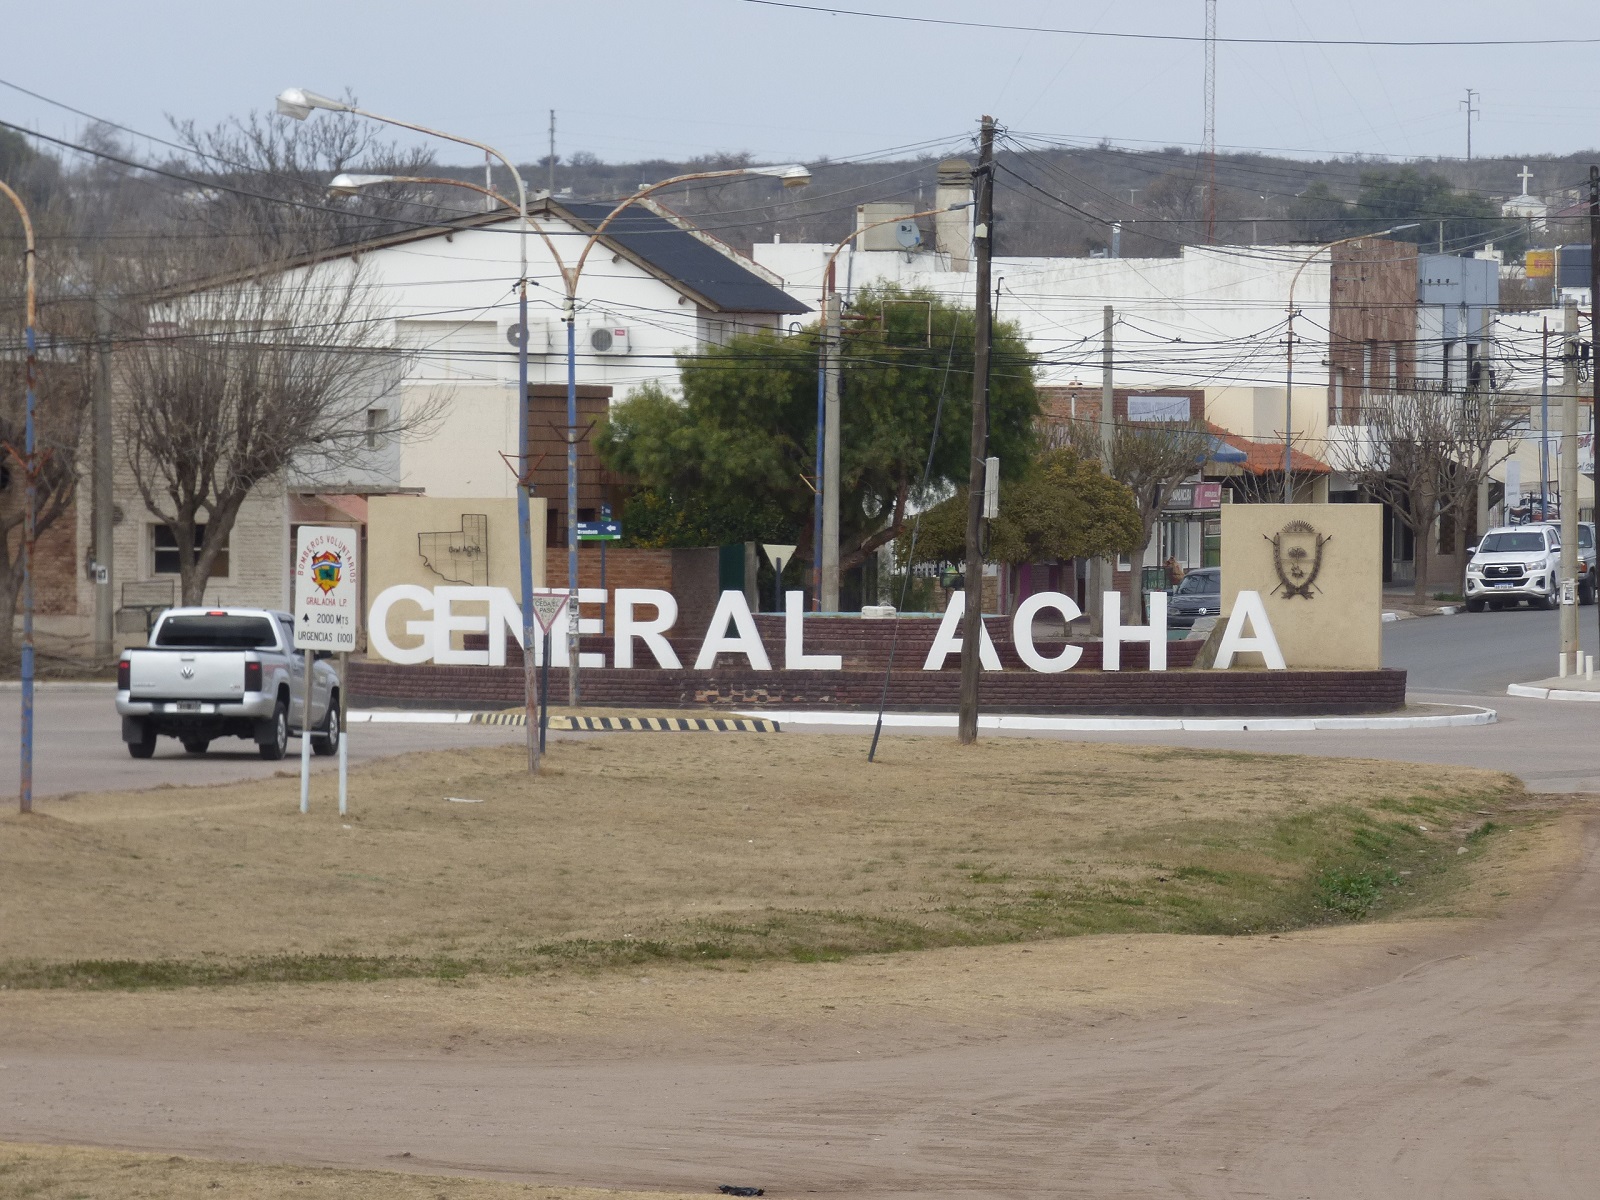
29,514
1288,395
299,104
825,505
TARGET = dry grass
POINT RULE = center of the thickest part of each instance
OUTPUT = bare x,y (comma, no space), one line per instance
73,1173
649,847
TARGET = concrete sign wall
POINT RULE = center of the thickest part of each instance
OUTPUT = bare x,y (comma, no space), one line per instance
1318,569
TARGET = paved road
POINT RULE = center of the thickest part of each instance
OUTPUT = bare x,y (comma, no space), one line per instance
80,749
1480,653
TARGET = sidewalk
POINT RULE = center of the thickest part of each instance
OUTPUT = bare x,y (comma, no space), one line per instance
1570,687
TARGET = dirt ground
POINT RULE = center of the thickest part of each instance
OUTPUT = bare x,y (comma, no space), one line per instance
77,1173
1436,1055
640,850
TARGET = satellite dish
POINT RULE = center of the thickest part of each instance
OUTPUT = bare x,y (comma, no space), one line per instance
908,235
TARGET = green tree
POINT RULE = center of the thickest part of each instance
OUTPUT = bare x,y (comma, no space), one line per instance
1063,506
742,440
1403,196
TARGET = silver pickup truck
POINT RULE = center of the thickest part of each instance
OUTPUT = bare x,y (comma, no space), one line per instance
229,672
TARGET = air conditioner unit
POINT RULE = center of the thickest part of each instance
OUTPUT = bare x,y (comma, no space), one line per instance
608,339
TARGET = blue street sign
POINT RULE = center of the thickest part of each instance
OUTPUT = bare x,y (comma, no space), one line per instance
599,531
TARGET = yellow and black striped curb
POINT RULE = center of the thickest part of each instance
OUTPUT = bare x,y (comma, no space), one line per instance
636,724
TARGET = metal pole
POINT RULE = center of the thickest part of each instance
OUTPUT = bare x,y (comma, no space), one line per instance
816,499
972,622
544,693
830,458
344,733
104,484
572,502
1288,410
525,530
1569,487
29,512
305,737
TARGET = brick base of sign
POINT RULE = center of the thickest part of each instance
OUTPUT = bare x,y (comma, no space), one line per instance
1179,693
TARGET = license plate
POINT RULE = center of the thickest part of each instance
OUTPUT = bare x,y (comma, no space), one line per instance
1505,585
188,706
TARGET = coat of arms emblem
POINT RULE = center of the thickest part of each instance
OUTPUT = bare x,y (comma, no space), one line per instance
1297,558
325,569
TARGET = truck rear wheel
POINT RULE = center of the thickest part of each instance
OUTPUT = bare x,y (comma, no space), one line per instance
275,743
145,747
326,740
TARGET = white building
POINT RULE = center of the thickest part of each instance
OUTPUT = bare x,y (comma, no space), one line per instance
653,287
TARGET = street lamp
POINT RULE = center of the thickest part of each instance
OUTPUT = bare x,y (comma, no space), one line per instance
1288,395
825,504
792,175
29,511
299,104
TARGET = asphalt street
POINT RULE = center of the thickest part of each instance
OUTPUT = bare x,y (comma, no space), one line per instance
1464,659
79,746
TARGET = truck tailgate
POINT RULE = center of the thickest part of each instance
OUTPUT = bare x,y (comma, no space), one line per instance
186,675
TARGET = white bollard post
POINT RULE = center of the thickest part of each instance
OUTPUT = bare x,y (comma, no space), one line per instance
1588,667
1561,666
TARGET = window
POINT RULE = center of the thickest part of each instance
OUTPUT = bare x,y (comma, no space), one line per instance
377,426
1530,542
218,631
1200,583
164,551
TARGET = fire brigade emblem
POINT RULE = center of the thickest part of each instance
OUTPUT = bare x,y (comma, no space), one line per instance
1297,558
325,570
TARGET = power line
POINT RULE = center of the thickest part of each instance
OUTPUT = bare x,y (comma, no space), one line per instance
1402,43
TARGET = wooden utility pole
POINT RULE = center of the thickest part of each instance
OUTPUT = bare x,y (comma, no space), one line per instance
1569,491
1594,324
972,623
1102,570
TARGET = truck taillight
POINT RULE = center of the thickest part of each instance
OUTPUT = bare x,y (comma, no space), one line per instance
252,677
124,675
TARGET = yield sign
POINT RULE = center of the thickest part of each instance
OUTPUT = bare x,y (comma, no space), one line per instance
547,607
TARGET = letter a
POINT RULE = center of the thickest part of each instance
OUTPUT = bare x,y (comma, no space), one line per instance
747,641
1248,606
948,639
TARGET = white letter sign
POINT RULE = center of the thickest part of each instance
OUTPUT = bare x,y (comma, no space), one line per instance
1022,632
1248,606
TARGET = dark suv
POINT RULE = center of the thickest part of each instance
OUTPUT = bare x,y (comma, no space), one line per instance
1198,594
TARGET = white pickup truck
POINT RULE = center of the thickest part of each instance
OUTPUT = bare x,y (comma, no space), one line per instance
224,672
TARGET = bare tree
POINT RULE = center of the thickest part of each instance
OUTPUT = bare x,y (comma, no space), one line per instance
1426,453
1151,459
63,383
228,387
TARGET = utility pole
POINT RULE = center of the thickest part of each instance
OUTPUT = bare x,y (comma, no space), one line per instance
552,154
1472,111
1594,324
972,623
1103,570
830,449
1569,490
104,557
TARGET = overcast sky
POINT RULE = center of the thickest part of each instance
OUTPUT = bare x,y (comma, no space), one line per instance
634,79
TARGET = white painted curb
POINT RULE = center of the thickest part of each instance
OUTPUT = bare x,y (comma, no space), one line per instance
362,717
1530,692
1469,715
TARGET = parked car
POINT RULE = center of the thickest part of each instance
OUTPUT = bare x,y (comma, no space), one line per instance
1587,582
1514,563
1198,594
225,672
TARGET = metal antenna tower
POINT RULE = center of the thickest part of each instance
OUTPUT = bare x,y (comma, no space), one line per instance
1211,121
